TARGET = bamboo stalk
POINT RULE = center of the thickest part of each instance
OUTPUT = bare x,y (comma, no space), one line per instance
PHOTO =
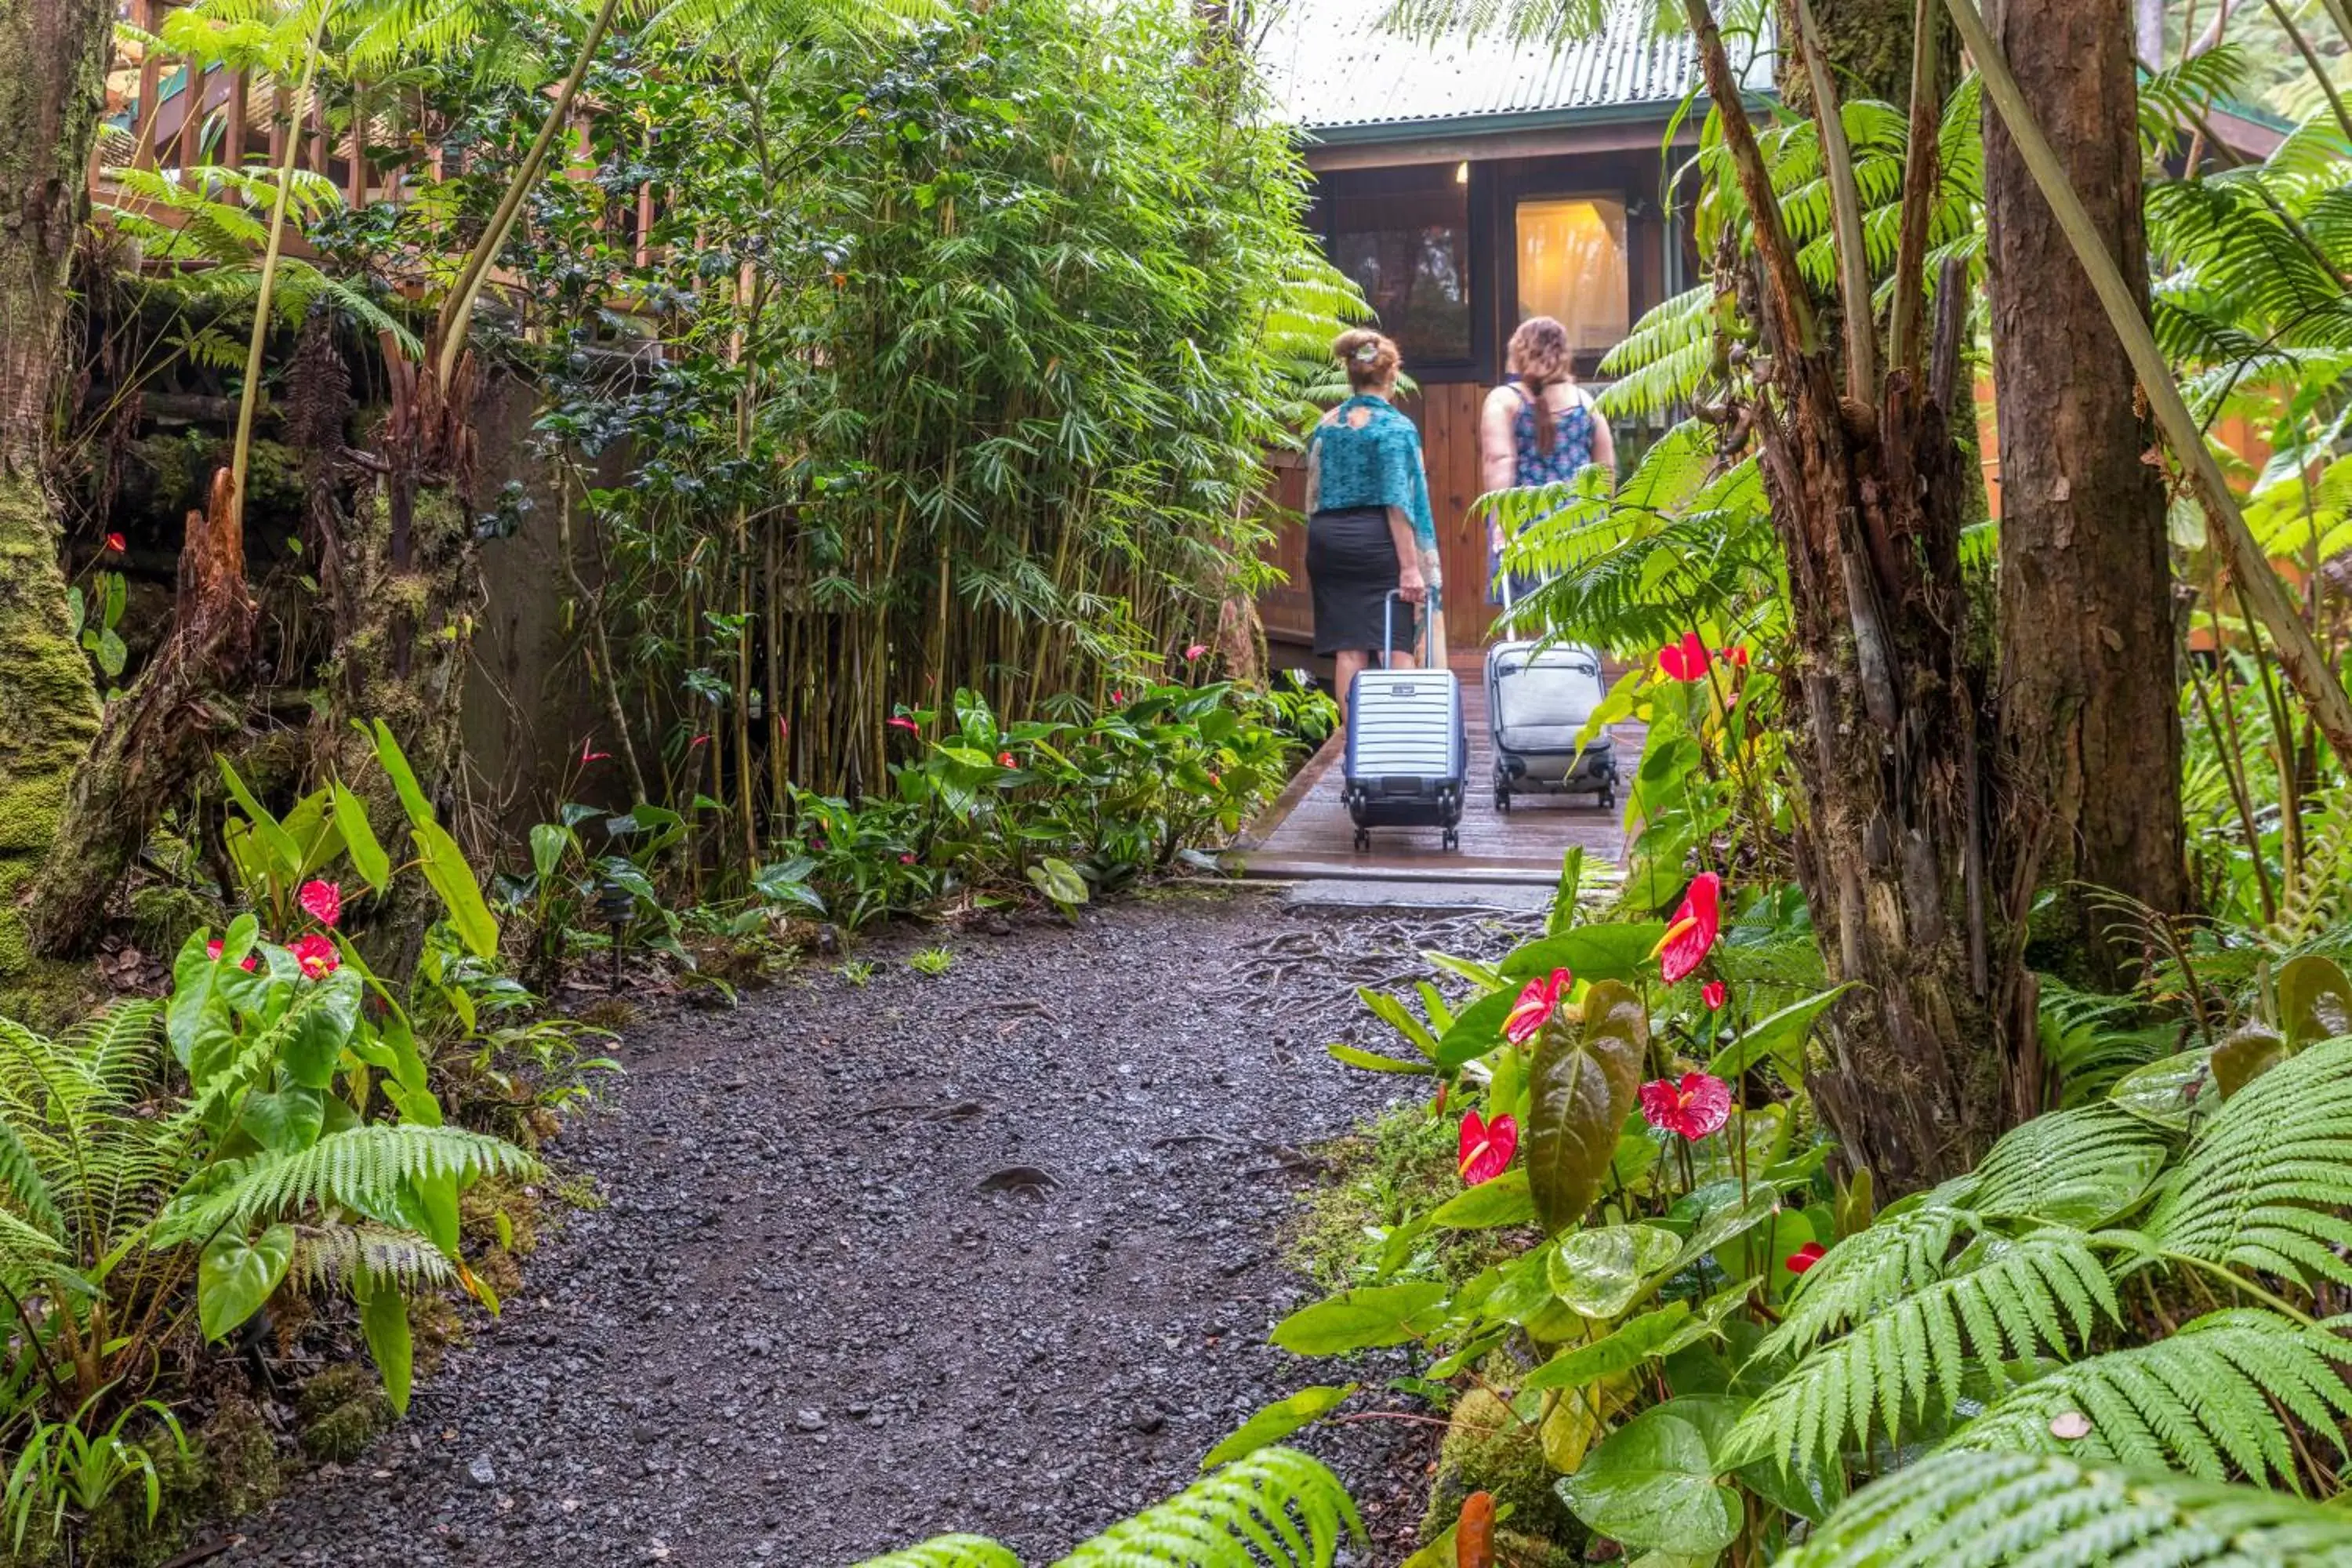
2233,542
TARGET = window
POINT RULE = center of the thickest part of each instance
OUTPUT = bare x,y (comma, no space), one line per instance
1572,256
1407,246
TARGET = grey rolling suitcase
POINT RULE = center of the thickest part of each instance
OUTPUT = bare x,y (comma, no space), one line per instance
1539,695
1408,760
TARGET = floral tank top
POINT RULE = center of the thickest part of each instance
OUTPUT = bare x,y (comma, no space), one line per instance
1571,441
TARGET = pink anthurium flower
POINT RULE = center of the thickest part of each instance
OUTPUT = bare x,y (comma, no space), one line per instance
1486,1147
316,955
1004,760
900,721
1118,697
1735,655
1805,1257
1684,660
1195,651
1539,999
1715,994
249,962
1693,930
323,902
588,755
1698,1104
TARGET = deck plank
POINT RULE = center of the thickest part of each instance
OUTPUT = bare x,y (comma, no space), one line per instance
1306,832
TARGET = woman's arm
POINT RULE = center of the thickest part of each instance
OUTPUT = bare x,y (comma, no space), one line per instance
1498,448
1408,549
1604,444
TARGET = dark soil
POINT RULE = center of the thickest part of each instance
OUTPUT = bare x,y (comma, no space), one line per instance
995,1251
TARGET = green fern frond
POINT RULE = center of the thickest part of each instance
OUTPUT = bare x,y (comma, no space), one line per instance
2205,1400
2046,1292
2266,1182
2080,1167
1989,1509
948,1551
339,1254
1904,1252
21,1180
1276,1506
362,1168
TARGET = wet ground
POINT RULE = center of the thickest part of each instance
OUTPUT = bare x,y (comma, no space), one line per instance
995,1250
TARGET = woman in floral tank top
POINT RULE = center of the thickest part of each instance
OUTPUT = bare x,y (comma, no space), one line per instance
1539,429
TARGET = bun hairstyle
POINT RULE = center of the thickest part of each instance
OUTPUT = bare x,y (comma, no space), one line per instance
1540,353
1370,359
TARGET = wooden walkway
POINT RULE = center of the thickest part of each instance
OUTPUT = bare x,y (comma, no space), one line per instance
1306,833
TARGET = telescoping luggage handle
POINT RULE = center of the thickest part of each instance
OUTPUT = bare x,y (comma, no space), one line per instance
1388,621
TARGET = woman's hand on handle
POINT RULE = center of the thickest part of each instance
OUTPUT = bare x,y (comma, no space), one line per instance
1410,585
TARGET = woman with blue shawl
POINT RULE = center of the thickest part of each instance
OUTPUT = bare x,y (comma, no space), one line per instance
1369,529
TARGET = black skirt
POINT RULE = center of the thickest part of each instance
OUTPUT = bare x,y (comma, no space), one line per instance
1351,567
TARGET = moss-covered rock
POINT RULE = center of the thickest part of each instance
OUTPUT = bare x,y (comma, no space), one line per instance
1486,1448
343,1410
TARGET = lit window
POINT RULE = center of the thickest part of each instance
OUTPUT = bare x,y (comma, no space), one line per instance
1571,253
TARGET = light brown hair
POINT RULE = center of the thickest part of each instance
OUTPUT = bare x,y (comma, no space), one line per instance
1538,352
1370,359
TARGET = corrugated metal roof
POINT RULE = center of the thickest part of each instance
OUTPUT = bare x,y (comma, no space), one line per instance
1333,69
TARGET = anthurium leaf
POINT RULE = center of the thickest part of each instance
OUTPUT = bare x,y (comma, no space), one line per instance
2314,1000
1368,1316
1475,1030
383,1321
1484,976
284,855
198,1020
286,1120
1581,1087
1618,950
1601,1272
1503,1201
1780,1039
1278,1420
1372,1061
330,1010
1059,881
395,768
1652,1484
1727,1219
1522,1289
1568,1429
234,1277
360,842
2168,1092
2246,1055
1392,1012
446,868
1580,1367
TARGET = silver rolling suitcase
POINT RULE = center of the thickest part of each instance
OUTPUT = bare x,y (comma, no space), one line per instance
1408,759
1538,695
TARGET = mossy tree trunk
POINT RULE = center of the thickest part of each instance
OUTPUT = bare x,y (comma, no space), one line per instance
2090,706
53,58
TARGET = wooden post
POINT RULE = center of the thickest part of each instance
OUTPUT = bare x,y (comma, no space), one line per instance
192,116
240,86
356,179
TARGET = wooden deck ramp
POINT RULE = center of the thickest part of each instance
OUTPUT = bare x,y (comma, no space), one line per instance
1306,833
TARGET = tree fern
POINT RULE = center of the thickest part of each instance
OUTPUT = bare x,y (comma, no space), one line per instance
2081,1167
948,1552
1276,1506
1985,1510
364,1169
24,1187
2205,1400
338,1253
1904,1251
2009,1299
2263,1186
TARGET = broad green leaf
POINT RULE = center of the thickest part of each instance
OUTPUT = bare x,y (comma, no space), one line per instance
2169,1091
1059,881
330,1008
1780,1039
1371,1061
284,855
1392,1012
285,1120
1599,1273
2314,1000
383,1321
1477,1029
312,823
1619,950
368,856
234,1277
1568,1429
548,840
1652,1485
1581,1087
447,870
1727,1218
1503,1201
1363,1317
1486,978
196,1020
1580,1367
112,653
2246,1055
1278,1420
395,768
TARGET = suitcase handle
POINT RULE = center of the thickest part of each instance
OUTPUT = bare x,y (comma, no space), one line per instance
1388,621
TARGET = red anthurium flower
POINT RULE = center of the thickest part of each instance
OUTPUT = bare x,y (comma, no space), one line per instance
1684,660
906,859
1004,760
586,755
316,955
900,721
1735,655
1118,697
1693,930
1486,1147
1805,1257
249,962
115,542
1195,651
1539,999
1715,994
323,902
1697,1105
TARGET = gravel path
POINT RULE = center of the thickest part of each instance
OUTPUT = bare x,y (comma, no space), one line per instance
825,1311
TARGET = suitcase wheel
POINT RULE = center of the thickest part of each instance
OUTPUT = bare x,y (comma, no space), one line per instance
1451,840
1502,798
1363,840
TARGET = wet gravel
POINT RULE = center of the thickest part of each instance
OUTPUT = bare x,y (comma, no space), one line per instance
995,1250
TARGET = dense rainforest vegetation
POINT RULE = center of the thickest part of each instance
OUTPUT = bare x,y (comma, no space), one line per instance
1932,1140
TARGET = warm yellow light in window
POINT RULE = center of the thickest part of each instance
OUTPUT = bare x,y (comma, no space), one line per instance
1462,173
1572,268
